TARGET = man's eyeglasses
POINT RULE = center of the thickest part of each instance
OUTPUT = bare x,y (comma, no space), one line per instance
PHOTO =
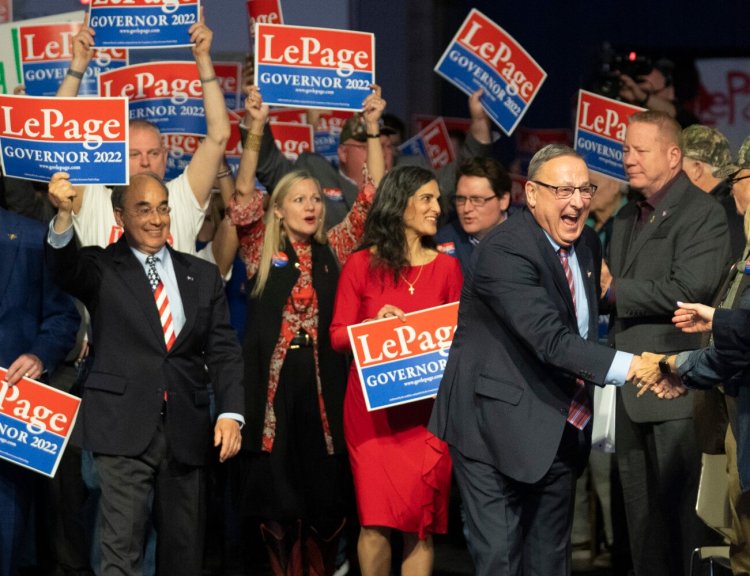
562,192
146,211
477,201
731,181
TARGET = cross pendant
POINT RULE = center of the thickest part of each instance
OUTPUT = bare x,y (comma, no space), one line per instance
411,290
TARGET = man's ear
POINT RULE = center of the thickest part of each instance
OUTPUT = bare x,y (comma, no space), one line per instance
530,190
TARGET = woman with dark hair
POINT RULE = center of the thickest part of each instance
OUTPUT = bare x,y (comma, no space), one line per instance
401,471
293,459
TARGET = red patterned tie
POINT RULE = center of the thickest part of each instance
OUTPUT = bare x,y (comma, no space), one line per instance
162,302
579,412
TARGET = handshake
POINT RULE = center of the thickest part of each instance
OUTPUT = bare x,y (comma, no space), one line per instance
658,372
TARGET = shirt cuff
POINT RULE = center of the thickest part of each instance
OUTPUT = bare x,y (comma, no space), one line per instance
618,370
233,416
59,239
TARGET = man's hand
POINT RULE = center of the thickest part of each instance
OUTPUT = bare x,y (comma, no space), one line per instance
61,195
692,318
605,278
648,376
25,366
227,435
667,388
480,123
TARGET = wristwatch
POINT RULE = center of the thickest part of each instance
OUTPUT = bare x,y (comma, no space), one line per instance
664,367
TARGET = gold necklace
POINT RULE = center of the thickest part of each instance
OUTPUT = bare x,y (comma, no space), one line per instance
411,284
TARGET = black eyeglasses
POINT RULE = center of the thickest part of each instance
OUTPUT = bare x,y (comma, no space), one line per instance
563,192
731,181
475,200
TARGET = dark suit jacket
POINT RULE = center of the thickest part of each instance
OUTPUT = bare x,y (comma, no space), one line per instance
510,377
681,256
132,369
462,246
35,315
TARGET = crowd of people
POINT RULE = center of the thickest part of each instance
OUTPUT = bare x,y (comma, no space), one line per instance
189,435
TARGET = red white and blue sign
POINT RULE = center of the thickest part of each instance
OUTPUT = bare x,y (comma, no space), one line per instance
45,56
292,139
601,124
433,143
483,55
143,23
307,67
263,12
401,362
167,94
35,423
180,150
229,75
85,137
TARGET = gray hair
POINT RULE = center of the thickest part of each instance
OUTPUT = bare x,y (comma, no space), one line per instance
549,152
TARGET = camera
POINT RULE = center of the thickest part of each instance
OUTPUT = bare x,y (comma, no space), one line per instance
612,64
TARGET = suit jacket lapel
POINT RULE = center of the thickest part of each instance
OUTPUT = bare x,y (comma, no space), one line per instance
135,281
11,240
552,260
188,286
586,265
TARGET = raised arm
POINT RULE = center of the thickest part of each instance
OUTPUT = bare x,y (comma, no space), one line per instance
83,52
209,155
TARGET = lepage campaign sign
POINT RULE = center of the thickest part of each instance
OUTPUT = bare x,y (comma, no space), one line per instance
45,52
306,67
35,423
263,12
433,143
167,94
400,362
292,139
143,23
600,132
483,55
85,137
229,75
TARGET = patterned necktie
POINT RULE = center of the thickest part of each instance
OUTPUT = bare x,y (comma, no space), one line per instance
162,301
579,412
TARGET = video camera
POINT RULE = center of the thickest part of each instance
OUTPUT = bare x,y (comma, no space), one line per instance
612,64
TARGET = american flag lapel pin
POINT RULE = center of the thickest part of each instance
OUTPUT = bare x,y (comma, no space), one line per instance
190,278
12,236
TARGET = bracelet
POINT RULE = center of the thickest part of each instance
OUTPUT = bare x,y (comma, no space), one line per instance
224,173
75,73
207,80
376,135
252,142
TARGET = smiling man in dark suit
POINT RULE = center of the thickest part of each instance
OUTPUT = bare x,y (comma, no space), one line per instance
161,332
515,400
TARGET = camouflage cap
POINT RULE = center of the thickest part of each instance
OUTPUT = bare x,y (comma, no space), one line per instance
707,145
743,161
354,129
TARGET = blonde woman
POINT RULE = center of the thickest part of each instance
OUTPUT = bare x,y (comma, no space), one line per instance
293,446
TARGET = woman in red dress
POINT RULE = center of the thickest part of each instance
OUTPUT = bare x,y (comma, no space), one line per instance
401,471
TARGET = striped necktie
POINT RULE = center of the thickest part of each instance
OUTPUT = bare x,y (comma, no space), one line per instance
579,412
162,301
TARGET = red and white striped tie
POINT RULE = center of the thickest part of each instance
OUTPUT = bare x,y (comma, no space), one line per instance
579,412
162,302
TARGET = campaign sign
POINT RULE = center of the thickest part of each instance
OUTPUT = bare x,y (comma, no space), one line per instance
143,23
600,132
433,143
483,55
294,115
419,121
35,423
229,75
45,56
167,94
292,139
400,362
180,150
85,137
233,153
314,67
263,12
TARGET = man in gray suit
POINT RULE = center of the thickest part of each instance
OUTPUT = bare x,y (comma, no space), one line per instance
517,419
671,245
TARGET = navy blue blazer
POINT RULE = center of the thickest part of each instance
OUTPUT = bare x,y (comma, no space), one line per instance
36,317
